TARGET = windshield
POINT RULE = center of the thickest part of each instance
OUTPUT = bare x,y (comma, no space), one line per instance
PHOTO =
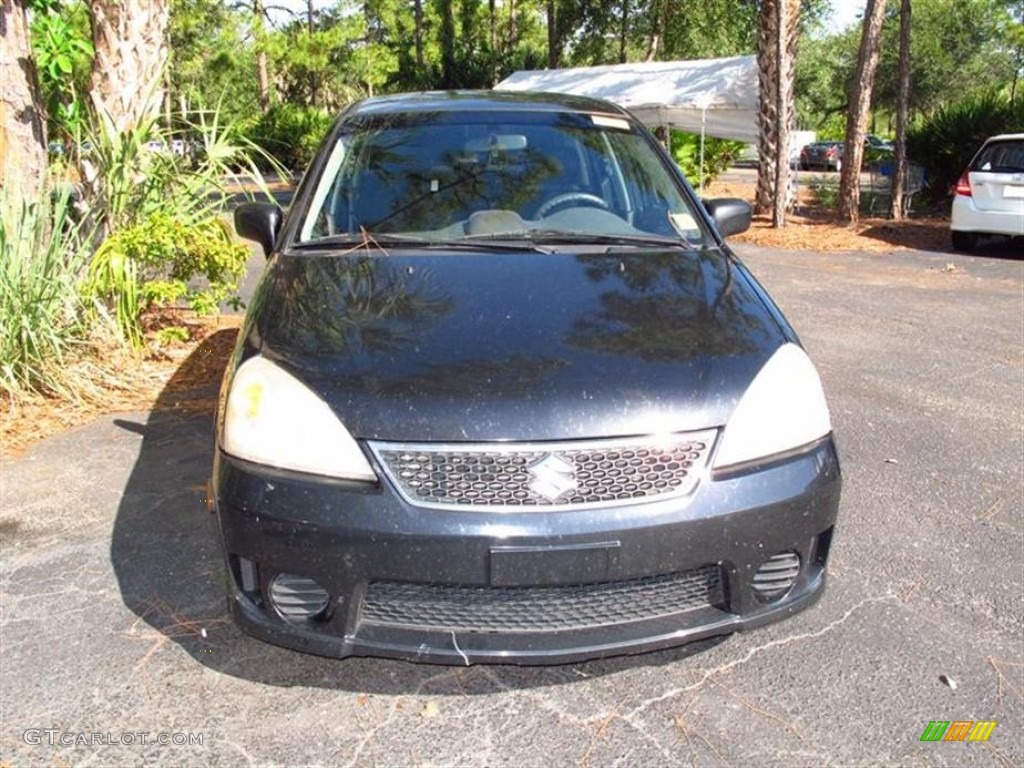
452,176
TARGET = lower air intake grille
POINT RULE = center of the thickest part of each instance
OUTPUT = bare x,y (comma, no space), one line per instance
540,609
776,576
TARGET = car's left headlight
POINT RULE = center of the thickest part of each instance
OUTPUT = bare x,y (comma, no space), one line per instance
274,419
783,409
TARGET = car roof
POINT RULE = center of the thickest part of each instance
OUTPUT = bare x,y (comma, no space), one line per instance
504,101
1005,137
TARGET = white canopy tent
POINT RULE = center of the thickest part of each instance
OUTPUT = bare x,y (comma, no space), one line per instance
713,96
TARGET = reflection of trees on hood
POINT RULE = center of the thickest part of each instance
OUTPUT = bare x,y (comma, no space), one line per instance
517,375
354,304
671,308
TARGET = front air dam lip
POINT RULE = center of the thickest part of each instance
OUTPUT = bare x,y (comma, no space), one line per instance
346,535
456,648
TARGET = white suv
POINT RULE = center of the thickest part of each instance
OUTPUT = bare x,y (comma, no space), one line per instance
990,193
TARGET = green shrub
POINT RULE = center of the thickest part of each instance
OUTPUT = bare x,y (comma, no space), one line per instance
163,261
291,134
41,255
719,154
945,143
156,215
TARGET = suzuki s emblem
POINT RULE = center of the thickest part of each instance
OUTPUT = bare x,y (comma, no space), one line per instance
551,476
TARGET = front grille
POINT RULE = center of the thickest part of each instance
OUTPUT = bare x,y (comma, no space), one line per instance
584,473
540,609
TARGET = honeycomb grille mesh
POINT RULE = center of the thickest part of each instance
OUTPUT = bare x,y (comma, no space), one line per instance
594,474
540,609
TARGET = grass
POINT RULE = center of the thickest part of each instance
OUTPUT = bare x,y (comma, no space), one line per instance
42,253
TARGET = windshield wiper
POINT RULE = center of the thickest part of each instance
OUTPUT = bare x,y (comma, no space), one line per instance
563,237
361,240
372,241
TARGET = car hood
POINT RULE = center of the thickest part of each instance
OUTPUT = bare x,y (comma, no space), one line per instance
517,346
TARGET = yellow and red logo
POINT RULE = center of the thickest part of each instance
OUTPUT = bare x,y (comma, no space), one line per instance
958,730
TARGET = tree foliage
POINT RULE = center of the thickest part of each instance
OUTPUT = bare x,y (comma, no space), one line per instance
945,142
957,47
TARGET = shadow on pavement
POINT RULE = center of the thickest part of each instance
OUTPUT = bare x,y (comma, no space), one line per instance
167,559
933,237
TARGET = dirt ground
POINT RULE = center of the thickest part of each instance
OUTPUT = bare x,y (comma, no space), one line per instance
810,229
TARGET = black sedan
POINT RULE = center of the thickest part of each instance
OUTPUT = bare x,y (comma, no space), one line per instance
827,155
504,395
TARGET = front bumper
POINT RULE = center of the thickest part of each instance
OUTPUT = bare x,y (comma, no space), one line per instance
356,539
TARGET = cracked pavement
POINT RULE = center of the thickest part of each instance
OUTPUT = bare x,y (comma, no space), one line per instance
112,616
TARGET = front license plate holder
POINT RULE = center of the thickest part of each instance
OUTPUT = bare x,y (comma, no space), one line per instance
554,565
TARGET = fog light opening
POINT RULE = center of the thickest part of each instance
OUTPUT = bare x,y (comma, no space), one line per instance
776,576
297,598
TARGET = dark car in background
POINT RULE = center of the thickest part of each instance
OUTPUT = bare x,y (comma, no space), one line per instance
822,155
828,155
503,394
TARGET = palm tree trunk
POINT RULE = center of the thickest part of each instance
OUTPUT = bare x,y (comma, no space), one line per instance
22,128
129,38
778,33
768,105
860,109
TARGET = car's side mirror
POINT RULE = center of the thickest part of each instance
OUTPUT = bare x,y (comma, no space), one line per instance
730,214
259,222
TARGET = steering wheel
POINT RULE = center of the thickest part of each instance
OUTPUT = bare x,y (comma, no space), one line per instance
583,198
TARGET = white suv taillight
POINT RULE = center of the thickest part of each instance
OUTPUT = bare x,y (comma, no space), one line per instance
963,185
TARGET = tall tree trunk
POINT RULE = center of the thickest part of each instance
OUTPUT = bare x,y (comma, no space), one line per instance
778,33
785,43
447,40
262,69
659,13
417,13
513,27
902,114
314,79
22,128
623,30
767,105
553,48
492,22
860,110
129,37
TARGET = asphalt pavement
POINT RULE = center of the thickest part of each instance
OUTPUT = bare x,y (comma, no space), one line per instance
113,621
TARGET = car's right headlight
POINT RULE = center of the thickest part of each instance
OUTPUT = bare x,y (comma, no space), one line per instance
783,408
274,419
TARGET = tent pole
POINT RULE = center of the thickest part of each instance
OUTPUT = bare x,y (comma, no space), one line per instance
703,126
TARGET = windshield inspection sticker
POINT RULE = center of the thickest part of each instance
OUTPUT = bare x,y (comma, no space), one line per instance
610,122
